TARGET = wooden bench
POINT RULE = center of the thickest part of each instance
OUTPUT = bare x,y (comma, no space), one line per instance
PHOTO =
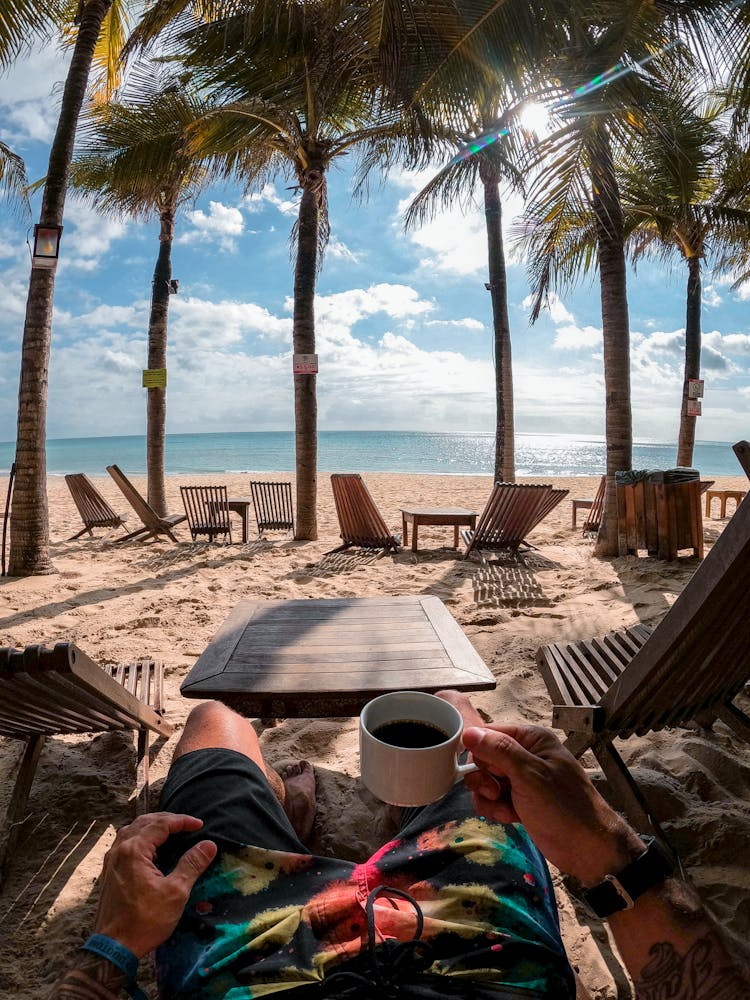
53,692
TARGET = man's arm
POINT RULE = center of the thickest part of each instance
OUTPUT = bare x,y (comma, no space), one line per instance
667,942
139,907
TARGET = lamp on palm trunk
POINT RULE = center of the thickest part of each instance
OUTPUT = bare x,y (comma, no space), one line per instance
46,246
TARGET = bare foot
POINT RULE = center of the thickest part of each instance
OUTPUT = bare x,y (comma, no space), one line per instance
299,797
469,714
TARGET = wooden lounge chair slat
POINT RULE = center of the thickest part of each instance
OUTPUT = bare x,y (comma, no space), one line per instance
207,511
274,509
512,511
153,524
691,666
48,692
359,519
94,510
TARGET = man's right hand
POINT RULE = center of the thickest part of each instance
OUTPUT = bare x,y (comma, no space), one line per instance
547,790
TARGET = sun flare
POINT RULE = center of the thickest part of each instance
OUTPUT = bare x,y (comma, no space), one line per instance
534,118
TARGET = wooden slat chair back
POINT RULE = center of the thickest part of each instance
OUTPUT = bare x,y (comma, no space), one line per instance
359,519
548,504
52,692
274,510
511,512
207,511
94,510
690,667
594,519
742,451
153,525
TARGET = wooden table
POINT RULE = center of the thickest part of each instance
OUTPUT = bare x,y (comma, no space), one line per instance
241,506
456,516
310,659
722,496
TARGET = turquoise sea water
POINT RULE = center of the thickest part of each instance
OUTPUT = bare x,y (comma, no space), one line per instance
365,451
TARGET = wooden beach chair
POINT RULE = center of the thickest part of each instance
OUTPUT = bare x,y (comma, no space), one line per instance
511,512
274,510
593,506
94,510
742,451
207,511
51,692
547,505
690,667
153,525
359,518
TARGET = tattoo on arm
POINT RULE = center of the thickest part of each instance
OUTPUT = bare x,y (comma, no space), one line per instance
91,978
704,972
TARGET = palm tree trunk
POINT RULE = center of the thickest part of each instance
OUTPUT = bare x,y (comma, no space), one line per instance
505,470
303,336
686,439
615,330
29,523
156,407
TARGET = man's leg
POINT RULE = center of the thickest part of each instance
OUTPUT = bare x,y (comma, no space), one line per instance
218,774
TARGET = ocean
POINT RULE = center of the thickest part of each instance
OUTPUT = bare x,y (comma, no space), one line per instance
365,451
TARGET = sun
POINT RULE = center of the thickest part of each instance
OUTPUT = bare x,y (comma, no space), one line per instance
534,118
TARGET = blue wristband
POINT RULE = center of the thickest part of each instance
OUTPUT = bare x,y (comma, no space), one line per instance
120,956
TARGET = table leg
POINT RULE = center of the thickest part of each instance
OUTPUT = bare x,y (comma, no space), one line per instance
245,519
404,531
455,536
414,529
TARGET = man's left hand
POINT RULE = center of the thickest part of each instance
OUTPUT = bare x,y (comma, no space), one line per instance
139,906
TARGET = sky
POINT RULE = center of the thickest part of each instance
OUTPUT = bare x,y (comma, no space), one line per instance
403,319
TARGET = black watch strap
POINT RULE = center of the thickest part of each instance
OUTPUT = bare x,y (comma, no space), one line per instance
619,892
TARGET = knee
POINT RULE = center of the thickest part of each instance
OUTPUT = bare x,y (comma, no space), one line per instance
210,714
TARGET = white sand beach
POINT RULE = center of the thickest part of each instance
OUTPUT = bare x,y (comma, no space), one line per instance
167,601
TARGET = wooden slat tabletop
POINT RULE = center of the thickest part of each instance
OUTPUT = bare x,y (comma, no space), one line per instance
309,659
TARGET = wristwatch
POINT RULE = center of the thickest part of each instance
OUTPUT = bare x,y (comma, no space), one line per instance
619,892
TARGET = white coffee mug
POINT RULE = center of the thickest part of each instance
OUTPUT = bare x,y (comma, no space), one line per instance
410,775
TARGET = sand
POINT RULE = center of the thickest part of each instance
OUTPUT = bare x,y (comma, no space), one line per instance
167,601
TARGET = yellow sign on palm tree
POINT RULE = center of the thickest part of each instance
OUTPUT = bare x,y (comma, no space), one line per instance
154,378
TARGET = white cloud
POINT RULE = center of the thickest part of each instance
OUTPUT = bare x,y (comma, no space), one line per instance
341,251
467,323
577,338
455,241
348,308
553,306
87,236
257,201
30,95
222,224
200,323
711,297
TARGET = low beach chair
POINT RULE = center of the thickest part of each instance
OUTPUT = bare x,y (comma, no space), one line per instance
94,510
742,451
153,525
207,511
511,512
51,692
359,518
689,668
274,510
594,506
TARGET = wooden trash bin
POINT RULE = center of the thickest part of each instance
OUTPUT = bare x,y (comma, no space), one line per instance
662,518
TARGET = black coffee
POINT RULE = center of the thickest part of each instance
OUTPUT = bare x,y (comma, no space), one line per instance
410,734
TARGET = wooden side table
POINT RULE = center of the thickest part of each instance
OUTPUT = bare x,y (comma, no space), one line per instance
456,516
722,496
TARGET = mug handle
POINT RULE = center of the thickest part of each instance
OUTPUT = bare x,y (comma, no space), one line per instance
462,769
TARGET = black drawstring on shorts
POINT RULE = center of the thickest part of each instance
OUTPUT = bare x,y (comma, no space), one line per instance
389,961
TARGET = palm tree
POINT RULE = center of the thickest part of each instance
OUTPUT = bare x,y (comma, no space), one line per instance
494,163
96,23
134,161
686,193
13,182
29,525
296,91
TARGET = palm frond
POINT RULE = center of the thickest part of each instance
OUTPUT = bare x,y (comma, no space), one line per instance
13,182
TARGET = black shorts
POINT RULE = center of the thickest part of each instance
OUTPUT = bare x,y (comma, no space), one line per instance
269,916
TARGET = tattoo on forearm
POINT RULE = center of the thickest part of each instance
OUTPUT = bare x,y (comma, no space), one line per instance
92,978
704,972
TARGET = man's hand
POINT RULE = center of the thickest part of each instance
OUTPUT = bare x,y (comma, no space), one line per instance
543,786
138,906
